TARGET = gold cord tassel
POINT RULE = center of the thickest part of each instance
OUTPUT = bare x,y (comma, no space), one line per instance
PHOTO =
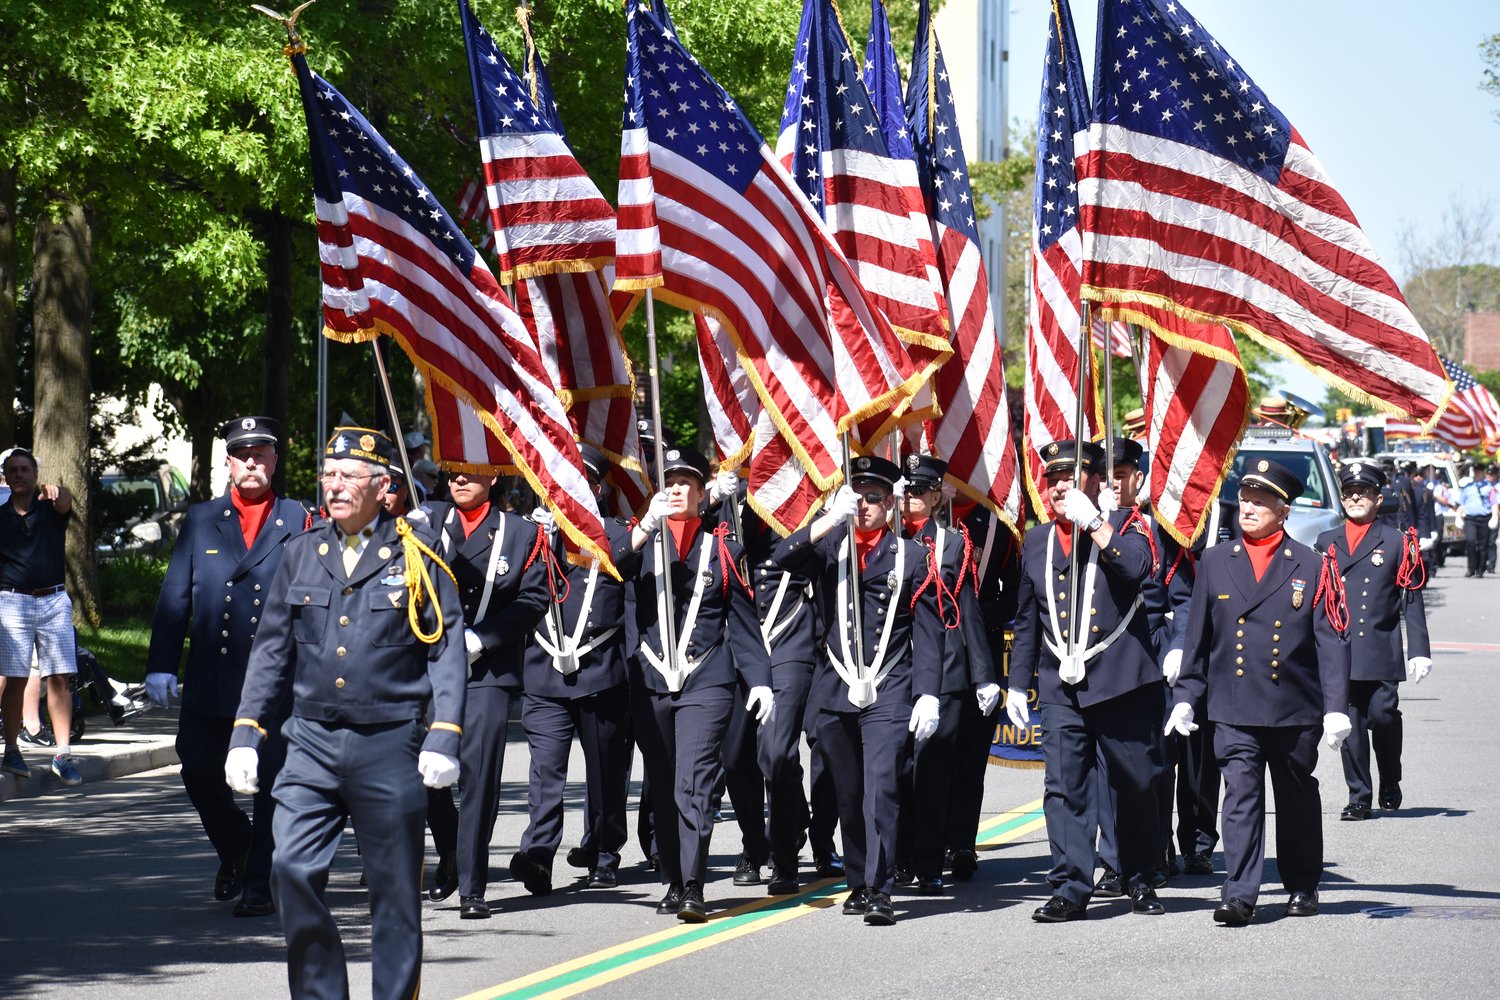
418,579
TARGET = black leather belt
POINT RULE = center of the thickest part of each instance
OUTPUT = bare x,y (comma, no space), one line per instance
39,592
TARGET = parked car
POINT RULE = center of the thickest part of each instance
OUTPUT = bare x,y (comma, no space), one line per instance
1318,508
138,511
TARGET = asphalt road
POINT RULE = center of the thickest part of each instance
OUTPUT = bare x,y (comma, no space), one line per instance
107,894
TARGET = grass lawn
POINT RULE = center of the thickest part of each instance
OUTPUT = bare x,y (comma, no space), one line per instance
121,645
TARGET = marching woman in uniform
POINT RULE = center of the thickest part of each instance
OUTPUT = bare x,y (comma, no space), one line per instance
682,695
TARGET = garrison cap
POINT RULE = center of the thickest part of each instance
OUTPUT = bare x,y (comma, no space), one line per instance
1058,456
873,469
363,443
1275,479
1361,474
924,472
688,460
244,431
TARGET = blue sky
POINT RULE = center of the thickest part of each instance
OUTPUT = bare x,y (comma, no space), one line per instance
1385,93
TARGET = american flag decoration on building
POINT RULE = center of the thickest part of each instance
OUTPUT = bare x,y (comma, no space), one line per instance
1199,198
394,262
554,234
973,431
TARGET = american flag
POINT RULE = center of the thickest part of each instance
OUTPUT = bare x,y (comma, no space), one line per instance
973,432
866,188
1111,335
474,209
1054,323
555,231
395,263
1196,192
1472,417
710,220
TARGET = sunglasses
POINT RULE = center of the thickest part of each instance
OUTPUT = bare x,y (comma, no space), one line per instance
874,499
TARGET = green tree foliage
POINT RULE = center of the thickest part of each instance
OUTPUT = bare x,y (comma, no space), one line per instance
1489,51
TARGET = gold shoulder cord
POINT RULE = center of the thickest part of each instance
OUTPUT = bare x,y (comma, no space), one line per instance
417,579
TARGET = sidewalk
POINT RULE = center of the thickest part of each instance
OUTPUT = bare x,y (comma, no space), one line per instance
144,743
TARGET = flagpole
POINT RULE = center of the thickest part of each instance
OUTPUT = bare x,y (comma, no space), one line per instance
1080,433
858,602
1109,406
322,424
663,548
390,405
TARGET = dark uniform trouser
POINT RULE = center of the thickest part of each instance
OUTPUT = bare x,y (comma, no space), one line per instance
744,783
1477,541
1197,791
1126,732
1163,791
1291,753
334,774
926,786
779,755
822,798
481,756
601,722
976,732
1376,718
1489,558
202,745
865,752
681,738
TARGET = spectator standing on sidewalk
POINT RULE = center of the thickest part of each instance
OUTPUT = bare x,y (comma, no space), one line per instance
36,613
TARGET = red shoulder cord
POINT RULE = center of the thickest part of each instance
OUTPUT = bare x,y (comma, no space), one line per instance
1137,520
726,560
1335,605
557,577
1412,573
1172,570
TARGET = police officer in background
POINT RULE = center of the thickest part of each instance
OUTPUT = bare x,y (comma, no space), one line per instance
1383,577
575,685
682,697
874,687
216,589
364,654
1093,662
1475,501
1265,645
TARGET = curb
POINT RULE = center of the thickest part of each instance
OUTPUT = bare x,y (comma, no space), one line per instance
98,759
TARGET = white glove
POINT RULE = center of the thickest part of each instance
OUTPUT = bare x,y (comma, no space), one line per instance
762,703
924,717
1416,668
1425,544
1434,538
724,485
1336,728
472,644
898,490
1171,665
1108,501
1180,721
656,511
242,770
161,688
845,503
1078,508
988,696
438,770
1017,709
543,517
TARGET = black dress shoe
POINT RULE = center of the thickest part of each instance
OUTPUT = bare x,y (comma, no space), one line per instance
1234,912
1058,910
905,876
1170,865
1302,904
671,902
653,863
782,883
254,905
535,876
444,880
692,910
1158,877
879,912
965,864
929,887
1109,885
828,865
473,908
229,882
1390,797
857,903
580,858
1144,902
602,878
747,872
1198,864
1354,812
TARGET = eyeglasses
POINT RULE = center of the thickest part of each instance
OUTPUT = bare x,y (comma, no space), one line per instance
334,478
873,499
1359,491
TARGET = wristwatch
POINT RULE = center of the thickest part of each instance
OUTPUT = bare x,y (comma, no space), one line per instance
1094,525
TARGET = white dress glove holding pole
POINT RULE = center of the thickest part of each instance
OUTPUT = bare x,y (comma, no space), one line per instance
242,770
899,489
988,696
924,717
762,703
1078,508
1180,721
1017,709
845,503
724,485
472,644
161,688
543,517
656,512
1108,502
1336,728
1171,665
1416,668
438,770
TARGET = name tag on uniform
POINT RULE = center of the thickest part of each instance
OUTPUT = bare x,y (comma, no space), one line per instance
1223,597
210,552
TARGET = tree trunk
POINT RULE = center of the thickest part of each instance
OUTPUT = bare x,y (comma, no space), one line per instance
62,297
7,305
278,357
199,409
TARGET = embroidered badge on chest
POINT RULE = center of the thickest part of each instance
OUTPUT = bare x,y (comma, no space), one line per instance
1298,586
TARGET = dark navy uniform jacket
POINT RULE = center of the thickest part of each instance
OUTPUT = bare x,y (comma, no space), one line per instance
915,646
345,644
218,591
1426,515
998,572
796,632
968,658
1124,571
1265,657
518,599
725,643
604,666
1377,604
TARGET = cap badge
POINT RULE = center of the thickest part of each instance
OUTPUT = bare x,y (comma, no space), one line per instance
1355,469
862,463
367,442
1052,448
1263,466
913,463
340,445
673,455
248,424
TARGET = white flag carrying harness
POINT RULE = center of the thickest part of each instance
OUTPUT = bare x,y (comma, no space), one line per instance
864,679
773,628
1071,668
566,650
675,669
497,542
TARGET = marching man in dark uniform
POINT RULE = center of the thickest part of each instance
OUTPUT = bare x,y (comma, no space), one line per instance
1093,662
1265,642
1383,577
682,697
968,687
362,622
575,685
875,686
217,590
